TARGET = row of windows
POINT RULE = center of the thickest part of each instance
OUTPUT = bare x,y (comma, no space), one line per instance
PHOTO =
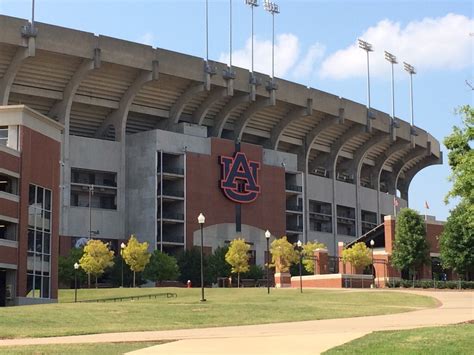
39,242
320,218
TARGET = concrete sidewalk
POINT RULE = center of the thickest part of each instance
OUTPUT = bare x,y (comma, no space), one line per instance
309,337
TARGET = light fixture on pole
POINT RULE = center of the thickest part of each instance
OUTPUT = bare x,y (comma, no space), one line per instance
273,9
208,70
372,243
229,73
267,237
201,221
252,80
367,47
29,30
122,247
392,60
76,266
411,70
299,246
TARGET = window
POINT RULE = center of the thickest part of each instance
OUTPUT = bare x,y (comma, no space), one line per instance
39,242
346,221
97,188
8,230
8,184
320,216
369,221
3,135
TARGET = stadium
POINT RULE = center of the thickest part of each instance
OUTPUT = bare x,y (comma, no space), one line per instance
103,138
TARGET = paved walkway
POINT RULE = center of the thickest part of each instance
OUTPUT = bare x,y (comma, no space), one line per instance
309,337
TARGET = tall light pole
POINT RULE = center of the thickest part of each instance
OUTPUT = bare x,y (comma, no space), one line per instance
201,221
267,237
392,60
411,70
122,247
252,4
372,243
76,266
367,47
273,9
299,246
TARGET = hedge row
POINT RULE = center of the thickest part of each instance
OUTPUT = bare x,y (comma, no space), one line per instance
432,284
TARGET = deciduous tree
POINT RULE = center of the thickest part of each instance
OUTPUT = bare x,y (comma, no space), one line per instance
410,249
237,256
96,258
457,242
66,267
283,254
136,255
359,255
161,267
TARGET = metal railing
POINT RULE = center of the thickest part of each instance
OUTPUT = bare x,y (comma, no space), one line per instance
294,227
131,298
294,207
173,170
171,215
173,238
171,192
291,187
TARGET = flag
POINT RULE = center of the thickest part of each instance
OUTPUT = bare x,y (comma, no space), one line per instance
395,201
426,205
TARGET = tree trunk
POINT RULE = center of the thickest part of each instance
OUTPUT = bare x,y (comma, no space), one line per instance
88,280
134,279
238,280
96,282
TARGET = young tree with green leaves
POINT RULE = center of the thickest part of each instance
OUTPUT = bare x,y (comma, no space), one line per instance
218,267
308,255
136,255
237,256
461,160
283,254
410,249
359,256
161,267
66,269
96,258
457,242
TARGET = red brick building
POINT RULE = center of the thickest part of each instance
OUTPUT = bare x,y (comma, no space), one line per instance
30,152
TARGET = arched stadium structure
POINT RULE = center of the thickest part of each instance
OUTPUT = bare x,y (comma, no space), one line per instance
150,138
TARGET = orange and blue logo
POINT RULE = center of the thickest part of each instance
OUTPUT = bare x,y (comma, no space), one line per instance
239,180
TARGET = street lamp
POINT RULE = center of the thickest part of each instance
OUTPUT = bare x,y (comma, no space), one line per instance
76,266
299,247
372,243
267,237
367,47
122,247
201,221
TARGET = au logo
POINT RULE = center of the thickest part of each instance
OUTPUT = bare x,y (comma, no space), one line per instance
240,178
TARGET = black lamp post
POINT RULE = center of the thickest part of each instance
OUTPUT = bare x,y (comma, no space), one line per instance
122,247
76,266
299,247
372,243
201,221
267,237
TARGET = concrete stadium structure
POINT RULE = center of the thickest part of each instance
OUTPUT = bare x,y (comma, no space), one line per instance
146,133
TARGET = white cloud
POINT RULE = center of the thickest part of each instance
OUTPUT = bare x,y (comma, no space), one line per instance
286,54
307,66
432,43
147,38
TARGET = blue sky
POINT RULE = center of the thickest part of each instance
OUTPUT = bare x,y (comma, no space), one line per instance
316,47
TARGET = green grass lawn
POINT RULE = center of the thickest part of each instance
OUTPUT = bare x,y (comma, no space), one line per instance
76,349
453,339
223,307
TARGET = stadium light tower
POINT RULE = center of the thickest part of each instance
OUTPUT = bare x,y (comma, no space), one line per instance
29,30
229,74
252,4
273,9
367,47
392,60
411,70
